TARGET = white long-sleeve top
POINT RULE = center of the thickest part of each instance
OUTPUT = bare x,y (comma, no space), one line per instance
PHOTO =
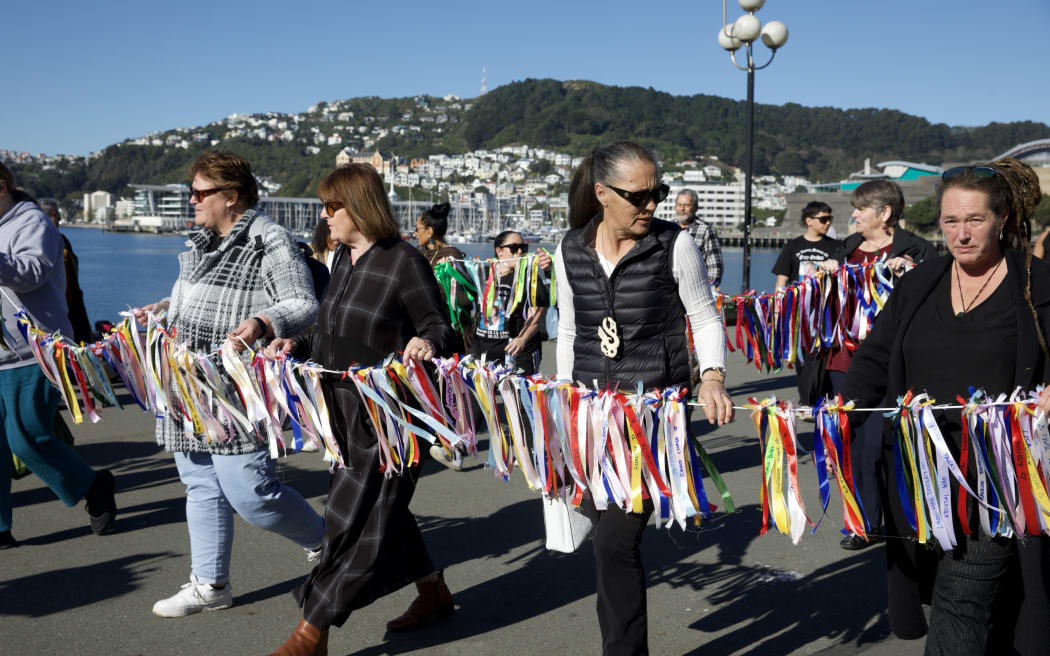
687,267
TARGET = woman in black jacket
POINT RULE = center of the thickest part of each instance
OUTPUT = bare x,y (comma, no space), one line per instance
626,283
976,317
877,209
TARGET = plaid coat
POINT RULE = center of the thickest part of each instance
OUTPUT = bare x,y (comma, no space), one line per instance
372,544
707,241
217,290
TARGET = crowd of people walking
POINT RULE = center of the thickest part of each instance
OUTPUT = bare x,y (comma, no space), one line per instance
636,305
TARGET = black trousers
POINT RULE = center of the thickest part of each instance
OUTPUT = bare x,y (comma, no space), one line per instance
866,459
964,595
621,581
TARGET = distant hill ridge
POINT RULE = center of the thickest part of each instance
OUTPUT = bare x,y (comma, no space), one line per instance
572,116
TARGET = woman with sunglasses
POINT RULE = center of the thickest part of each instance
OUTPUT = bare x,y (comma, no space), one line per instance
976,317
513,338
383,298
877,209
248,289
626,283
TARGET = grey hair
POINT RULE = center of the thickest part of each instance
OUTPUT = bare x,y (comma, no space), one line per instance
601,165
690,193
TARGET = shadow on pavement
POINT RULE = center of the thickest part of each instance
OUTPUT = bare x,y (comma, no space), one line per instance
38,595
759,608
764,610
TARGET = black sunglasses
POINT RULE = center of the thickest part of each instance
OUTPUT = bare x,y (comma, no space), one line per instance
200,194
824,218
973,171
516,248
642,196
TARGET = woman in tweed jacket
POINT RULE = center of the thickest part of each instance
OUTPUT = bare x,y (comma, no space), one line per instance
383,298
249,285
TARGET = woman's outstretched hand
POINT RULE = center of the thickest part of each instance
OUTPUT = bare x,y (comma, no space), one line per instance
717,406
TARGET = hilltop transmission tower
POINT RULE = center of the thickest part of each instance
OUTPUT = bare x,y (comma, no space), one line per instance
484,85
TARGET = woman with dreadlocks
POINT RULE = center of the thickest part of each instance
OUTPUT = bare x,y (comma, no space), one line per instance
975,317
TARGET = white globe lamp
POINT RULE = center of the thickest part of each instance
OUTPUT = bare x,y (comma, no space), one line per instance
774,34
747,28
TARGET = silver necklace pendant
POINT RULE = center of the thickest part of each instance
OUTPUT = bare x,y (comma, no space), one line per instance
609,333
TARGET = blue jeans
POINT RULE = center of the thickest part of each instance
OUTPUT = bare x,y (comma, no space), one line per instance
27,410
216,486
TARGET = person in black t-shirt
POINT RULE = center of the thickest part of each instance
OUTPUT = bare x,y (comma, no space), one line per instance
802,254
515,336
800,258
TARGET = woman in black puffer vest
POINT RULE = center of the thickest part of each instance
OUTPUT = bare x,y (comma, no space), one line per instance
626,283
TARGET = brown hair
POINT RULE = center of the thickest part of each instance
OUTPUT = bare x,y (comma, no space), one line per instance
1012,192
228,169
359,189
601,165
9,178
877,194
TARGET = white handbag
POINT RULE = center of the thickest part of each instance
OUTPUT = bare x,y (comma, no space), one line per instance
566,526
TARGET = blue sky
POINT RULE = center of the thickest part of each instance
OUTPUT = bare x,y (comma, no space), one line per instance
80,76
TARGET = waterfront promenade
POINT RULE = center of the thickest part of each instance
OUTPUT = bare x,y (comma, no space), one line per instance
722,589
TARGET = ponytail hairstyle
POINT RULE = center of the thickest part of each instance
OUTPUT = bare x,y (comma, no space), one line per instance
601,165
1012,192
436,218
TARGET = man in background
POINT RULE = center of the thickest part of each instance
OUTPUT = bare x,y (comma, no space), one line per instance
703,234
78,317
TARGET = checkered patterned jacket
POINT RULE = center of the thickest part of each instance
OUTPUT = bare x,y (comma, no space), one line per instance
217,290
707,241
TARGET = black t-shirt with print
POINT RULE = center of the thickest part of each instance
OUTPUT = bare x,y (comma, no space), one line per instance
800,257
492,336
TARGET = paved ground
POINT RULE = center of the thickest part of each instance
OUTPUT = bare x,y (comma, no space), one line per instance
720,590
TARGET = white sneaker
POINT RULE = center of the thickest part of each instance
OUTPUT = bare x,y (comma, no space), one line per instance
455,462
313,556
194,597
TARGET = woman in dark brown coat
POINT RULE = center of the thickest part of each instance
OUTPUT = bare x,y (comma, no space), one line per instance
382,298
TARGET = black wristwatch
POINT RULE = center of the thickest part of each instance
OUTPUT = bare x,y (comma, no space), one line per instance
262,326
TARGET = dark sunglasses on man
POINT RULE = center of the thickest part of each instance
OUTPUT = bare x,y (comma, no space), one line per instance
823,218
516,248
641,197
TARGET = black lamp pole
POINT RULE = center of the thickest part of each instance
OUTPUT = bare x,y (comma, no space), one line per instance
749,174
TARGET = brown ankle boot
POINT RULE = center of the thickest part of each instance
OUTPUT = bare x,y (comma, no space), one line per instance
434,599
306,640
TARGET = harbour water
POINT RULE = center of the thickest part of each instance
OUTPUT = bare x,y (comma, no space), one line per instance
119,270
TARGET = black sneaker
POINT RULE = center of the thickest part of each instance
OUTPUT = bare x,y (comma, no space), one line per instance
854,542
102,502
7,541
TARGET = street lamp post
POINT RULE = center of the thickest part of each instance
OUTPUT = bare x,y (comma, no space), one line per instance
744,31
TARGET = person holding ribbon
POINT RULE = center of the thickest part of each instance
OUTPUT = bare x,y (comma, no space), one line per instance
33,281
973,319
800,258
877,209
244,279
383,298
626,283
511,333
